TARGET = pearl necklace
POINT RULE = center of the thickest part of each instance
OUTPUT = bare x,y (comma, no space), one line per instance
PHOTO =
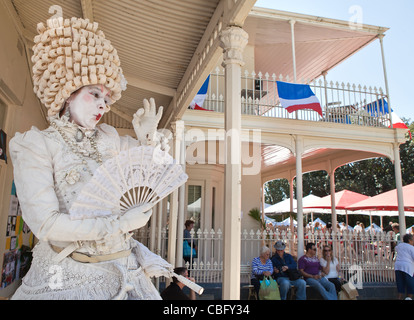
73,143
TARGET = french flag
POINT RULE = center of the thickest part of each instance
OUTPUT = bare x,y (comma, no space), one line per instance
381,107
197,103
297,97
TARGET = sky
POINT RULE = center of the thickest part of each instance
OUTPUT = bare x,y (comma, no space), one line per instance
365,67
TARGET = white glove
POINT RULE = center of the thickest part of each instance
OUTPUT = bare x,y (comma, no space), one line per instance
153,264
146,121
164,139
135,218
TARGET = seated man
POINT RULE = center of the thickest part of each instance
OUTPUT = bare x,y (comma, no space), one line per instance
175,290
310,268
282,263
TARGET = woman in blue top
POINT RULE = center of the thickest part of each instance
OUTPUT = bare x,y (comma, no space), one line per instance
261,266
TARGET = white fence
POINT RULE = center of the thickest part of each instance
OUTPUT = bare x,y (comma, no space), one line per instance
341,102
365,256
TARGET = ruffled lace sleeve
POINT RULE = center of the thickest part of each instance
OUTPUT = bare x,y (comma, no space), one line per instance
33,163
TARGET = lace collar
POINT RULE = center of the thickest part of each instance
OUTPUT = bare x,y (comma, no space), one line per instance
81,141
72,129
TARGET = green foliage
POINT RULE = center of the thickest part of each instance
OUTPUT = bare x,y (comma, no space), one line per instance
256,215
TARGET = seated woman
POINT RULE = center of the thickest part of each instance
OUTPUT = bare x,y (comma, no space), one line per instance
310,268
261,266
330,266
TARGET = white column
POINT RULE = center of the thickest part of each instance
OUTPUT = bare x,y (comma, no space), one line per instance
232,40
263,201
398,183
177,127
299,195
325,84
381,37
333,200
153,223
157,245
160,224
181,203
292,31
292,209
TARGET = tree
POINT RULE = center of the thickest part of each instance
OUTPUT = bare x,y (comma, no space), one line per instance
276,191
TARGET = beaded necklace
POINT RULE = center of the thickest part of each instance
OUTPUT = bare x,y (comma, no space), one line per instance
74,145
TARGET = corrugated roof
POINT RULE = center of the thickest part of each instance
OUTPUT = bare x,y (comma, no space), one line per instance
155,39
320,43
160,41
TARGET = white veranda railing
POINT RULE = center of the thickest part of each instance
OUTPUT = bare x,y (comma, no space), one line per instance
341,102
366,255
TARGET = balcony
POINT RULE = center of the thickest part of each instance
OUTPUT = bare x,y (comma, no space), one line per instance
341,102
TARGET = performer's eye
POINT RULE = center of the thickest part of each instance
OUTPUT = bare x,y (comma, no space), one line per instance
95,94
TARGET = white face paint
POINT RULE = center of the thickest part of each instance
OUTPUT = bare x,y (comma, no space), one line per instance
89,105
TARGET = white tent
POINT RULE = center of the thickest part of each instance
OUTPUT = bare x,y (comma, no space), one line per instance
344,225
270,220
195,206
373,226
284,205
280,207
286,222
320,221
380,213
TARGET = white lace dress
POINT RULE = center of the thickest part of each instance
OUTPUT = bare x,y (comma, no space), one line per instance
48,176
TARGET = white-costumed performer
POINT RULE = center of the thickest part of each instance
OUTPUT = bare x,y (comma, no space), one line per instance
76,75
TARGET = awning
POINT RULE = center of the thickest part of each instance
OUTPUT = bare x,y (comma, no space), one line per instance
386,201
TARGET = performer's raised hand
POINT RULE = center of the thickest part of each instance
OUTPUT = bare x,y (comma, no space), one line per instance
146,121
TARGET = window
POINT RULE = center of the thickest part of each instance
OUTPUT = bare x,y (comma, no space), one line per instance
194,205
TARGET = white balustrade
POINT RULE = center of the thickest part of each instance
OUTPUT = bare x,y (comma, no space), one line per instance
340,102
367,254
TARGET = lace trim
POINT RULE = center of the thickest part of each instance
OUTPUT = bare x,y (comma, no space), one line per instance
70,280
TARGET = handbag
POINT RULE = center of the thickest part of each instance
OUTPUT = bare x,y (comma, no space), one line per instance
269,290
348,292
293,274
187,250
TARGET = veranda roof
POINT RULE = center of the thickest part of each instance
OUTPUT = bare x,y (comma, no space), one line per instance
386,201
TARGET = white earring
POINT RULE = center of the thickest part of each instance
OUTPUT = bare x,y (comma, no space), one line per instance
67,111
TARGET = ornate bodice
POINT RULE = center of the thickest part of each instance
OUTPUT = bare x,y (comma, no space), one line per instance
49,174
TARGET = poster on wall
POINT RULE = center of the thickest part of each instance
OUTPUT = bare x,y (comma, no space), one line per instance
19,241
11,268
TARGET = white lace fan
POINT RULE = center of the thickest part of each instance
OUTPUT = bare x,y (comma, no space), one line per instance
138,175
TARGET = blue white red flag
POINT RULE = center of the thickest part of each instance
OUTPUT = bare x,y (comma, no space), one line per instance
197,103
297,96
380,107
